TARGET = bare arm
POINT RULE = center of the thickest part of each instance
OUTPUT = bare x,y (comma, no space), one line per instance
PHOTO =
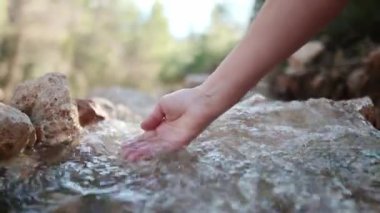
280,28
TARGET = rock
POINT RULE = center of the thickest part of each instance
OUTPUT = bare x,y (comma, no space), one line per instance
90,112
286,86
372,115
107,106
373,61
356,82
336,74
317,82
16,131
48,104
305,54
372,88
97,109
80,204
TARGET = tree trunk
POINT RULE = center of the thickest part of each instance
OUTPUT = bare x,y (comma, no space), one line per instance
13,71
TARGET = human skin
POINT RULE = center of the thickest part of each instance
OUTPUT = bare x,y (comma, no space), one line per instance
280,28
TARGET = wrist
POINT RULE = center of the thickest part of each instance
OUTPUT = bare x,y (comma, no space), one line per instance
213,101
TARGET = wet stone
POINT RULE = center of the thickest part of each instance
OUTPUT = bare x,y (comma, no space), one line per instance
47,102
16,131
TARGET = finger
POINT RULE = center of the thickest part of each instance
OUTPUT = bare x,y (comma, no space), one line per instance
128,150
137,156
154,119
137,143
143,153
139,138
130,144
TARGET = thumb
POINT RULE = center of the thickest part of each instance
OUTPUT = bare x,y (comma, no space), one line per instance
154,119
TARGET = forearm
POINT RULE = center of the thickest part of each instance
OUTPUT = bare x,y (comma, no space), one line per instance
280,28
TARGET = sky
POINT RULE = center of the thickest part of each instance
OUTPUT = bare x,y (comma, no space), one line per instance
186,16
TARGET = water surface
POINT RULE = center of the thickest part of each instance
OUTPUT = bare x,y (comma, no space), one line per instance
314,156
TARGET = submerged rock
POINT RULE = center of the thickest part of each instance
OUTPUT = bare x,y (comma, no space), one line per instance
16,131
260,156
48,103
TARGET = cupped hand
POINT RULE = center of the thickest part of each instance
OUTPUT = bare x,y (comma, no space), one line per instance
177,119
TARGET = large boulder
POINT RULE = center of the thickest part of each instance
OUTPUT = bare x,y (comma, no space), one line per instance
48,103
260,156
16,131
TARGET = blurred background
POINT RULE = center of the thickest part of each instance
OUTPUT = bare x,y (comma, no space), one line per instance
158,46
145,44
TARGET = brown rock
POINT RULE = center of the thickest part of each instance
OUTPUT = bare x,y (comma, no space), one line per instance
373,61
106,106
317,82
286,86
97,109
16,131
90,112
48,104
372,114
356,82
305,54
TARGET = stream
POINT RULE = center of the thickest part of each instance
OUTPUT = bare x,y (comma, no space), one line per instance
260,156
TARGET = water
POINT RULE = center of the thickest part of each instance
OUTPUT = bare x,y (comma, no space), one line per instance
314,156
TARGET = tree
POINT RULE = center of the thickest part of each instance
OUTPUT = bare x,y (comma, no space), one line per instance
359,20
10,47
208,49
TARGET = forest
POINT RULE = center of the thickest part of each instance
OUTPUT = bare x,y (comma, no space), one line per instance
104,43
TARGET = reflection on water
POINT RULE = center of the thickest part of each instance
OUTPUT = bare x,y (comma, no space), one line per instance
314,156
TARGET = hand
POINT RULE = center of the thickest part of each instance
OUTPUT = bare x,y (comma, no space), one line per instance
177,119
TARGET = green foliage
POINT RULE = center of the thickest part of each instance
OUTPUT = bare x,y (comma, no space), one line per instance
120,47
3,13
207,50
4,46
103,43
360,19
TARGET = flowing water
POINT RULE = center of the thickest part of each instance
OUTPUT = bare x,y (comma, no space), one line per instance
314,156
